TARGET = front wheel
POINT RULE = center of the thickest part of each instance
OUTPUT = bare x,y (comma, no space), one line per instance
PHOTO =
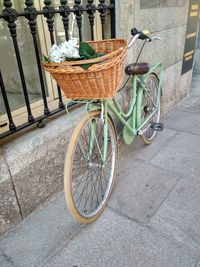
88,179
150,103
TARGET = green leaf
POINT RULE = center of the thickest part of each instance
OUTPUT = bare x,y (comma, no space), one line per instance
86,66
46,58
86,50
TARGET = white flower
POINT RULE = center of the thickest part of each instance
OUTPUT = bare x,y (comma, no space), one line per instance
69,49
73,42
53,48
56,56
64,50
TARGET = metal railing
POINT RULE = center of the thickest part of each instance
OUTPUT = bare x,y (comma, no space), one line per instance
10,15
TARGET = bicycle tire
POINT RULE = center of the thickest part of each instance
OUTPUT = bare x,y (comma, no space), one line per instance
74,158
149,135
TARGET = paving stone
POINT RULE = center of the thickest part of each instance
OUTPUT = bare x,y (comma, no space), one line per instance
192,105
198,264
195,91
189,101
195,109
181,155
145,152
195,87
117,241
38,236
140,189
184,121
5,261
179,216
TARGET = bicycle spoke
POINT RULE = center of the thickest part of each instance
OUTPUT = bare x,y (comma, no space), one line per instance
99,181
91,202
104,175
79,181
86,199
108,157
82,180
77,175
95,192
81,195
81,150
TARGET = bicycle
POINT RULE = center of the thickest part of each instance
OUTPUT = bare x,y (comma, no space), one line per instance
90,164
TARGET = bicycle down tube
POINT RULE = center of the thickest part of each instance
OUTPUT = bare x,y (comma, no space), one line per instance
134,112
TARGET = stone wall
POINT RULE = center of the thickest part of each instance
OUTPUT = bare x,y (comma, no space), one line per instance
31,169
170,24
31,165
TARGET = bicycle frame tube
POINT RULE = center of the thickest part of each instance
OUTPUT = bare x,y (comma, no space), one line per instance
120,117
137,84
135,79
129,119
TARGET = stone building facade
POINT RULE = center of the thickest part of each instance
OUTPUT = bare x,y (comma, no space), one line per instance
31,164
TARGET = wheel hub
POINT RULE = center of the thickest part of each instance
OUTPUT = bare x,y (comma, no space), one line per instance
95,165
146,109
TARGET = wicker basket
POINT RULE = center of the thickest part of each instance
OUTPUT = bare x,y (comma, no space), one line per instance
101,80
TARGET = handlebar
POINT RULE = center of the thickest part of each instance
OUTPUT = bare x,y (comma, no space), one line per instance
141,35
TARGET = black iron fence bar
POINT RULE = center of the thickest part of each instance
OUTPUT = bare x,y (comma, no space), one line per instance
102,10
78,12
91,11
12,126
31,15
11,18
49,14
65,12
112,19
10,15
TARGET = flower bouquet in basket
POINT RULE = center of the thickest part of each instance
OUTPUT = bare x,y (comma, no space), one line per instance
92,70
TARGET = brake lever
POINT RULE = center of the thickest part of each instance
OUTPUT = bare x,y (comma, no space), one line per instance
156,38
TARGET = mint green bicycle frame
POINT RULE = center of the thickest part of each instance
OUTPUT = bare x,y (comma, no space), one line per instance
131,120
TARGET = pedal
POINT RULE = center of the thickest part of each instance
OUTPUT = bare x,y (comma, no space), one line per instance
158,127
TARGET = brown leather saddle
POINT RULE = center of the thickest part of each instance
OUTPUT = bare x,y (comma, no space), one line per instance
137,68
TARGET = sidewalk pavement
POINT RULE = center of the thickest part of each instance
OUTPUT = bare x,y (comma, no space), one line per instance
153,216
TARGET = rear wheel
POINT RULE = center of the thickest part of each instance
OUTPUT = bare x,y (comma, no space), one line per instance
150,103
88,181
